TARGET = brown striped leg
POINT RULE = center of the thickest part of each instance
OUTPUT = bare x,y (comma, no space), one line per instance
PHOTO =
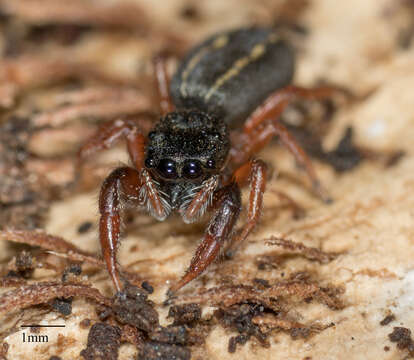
109,133
302,158
262,125
227,206
276,103
254,172
163,85
250,144
122,182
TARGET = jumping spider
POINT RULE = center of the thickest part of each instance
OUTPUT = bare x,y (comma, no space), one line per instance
221,109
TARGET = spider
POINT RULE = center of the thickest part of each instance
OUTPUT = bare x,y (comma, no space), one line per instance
221,108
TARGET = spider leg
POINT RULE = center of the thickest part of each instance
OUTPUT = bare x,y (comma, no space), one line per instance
124,184
163,85
264,124
254,172
227,205
112,131
276,103
121,183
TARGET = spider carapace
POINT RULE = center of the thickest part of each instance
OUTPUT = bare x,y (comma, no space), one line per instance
222,107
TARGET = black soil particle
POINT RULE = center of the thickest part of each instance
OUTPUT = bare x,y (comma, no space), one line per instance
84,227
132,307
389,318
185,314
70,271
240,339
159,351
402,336
64,306
345,157
103,342
171,335
147,287
54,357
239,318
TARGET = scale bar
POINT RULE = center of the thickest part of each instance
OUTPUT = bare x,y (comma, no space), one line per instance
40,326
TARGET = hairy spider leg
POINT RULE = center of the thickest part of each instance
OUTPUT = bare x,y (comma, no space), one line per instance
253,172
163,85
227,206
275,103
120,184
111,132
123,184
263,124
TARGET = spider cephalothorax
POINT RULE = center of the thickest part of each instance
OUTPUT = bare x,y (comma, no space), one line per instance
187,146
185,153
187,163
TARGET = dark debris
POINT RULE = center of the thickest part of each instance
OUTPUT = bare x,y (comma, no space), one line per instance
175,334
71,271
185,314
133,307
239,339
85,227
159,351
346,156
64,306
402,336
147,287
239,318
103,342
389,318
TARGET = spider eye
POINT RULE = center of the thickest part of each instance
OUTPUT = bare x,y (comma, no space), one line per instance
192,169
167,169
149,162
211,164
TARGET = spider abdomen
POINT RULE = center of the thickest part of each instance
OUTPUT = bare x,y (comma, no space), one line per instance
231,73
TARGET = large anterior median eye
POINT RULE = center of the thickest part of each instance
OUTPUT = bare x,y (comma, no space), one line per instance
192,169
167,169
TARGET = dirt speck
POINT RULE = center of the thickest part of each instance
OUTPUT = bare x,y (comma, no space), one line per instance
147,287
171,335
185,314
389,318
85,227
133,307
103,342
64,306
402,336
159,351
239,318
